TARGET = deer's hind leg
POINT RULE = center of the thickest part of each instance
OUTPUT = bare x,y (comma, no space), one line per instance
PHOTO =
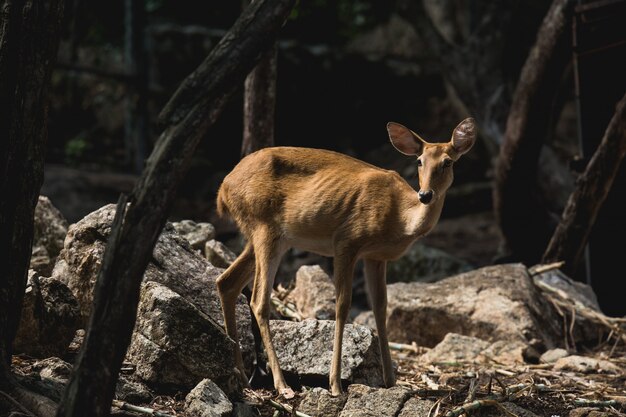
268,252
229,285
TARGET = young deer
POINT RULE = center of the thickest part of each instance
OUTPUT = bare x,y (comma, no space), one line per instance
334,205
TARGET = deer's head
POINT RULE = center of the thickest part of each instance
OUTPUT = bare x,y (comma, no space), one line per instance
434,160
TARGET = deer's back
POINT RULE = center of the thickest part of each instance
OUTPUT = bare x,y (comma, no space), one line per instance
307,191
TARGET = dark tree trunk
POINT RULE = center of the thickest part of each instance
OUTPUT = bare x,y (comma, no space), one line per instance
259,103
136,123
29,38
186,118
571,235
522,215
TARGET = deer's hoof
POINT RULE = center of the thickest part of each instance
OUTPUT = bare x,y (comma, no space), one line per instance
287,393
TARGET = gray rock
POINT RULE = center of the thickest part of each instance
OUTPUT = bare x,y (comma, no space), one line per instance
417,407
492,303
364,401
207,400
422,263
176,345
553,355
176,266
305,348
131,390
455,347
197,234
218,254
314,293
53,368
586,365
55,373
50,317
50,228
319,402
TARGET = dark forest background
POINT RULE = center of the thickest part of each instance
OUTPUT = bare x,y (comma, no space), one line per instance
345,69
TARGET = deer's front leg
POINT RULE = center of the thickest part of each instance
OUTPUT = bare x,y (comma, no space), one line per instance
343,273
375,279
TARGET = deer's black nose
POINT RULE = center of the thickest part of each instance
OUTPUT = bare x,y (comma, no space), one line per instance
425,196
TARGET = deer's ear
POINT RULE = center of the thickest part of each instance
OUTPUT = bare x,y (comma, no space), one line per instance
405,140
464,136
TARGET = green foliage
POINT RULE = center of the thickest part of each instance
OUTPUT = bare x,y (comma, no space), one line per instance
76,148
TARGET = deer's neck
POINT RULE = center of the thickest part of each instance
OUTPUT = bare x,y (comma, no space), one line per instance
421,218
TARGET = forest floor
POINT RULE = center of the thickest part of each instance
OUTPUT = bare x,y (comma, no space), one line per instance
457,388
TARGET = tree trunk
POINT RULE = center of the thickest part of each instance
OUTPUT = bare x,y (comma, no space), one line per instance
571,235
194,107
522,216
29,38
136,123
259,103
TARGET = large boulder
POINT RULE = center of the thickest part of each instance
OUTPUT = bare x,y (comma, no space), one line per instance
492,303
305,349
49,319
175,344
186,281
50,228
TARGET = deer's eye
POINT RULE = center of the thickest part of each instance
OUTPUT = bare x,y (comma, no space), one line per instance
419,162
447,163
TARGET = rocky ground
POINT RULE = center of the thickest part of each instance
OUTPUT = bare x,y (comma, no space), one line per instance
467,337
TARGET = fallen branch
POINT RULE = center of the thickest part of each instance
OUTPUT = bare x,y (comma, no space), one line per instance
284,309
143,410
595,403
465,408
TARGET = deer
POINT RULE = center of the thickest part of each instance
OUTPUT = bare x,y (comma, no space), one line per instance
337,206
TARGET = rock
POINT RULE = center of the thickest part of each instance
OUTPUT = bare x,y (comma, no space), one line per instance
425,264
305,348
455,348
319,402
50,317
55,373
207,400
130,390
197,234
417,407
243,409
492,303
53,368
314,293
586,365
218,254
50,228
366,318
175,266
375,402
553,355
176,345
